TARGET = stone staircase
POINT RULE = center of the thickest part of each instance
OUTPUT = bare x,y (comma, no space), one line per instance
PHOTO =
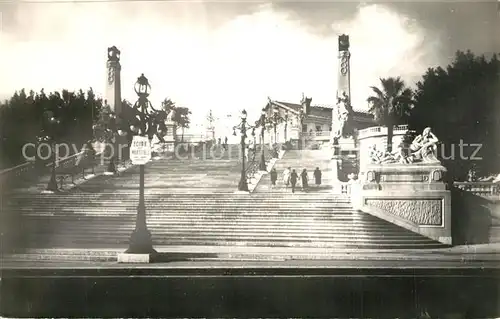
192,202
106,219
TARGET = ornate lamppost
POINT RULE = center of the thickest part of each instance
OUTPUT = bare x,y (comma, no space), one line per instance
50,124
300,119
286,125
242,127
148,122
262,123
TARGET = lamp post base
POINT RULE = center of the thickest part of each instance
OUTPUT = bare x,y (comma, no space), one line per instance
111,169
262,163
127,258
243,186
262,166
140,243
52,186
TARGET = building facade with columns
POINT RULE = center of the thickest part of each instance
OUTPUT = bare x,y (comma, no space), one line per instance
308,122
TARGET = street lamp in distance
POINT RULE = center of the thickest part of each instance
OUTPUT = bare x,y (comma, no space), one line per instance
242,127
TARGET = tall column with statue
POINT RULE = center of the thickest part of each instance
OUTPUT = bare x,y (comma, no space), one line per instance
342,110
113,81
113,99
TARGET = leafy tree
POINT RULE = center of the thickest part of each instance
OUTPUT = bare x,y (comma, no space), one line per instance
390,105
181,118
21,120
461,104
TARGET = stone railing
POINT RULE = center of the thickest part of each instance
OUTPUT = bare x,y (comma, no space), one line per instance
479,188
316,134
17,173
192,138
381,130
29,169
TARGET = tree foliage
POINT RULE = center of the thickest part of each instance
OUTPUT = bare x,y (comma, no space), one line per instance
181,118
22,120
461,104
390,104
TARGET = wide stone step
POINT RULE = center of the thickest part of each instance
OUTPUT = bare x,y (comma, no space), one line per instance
202,216
180,208
336,224
159,233
164,235
241,225
195,207
263,243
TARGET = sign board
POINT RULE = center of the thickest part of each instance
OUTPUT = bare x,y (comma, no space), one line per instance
140,150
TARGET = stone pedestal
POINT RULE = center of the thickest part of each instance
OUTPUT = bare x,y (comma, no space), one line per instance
126,258
170,138
412,196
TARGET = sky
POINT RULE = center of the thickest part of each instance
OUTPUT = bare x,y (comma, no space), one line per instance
231,55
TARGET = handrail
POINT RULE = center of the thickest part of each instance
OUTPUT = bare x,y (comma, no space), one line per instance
19,172
479,188
7,170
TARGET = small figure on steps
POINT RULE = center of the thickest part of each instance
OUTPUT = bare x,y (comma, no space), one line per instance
317,176
286,177
305,179
293,179
274,177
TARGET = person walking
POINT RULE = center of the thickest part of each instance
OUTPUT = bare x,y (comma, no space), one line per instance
304,178
317,176
293,180
274,177
286,177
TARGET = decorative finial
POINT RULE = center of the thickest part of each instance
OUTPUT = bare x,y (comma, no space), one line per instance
114,54
343,42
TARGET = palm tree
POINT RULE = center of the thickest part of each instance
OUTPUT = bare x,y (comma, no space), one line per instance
390,104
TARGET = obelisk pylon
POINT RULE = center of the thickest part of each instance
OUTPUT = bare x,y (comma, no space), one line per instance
344,71
113,81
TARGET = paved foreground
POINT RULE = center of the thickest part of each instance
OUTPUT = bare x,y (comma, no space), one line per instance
171,257
293,288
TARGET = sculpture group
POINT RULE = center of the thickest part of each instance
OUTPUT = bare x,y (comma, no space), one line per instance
422,149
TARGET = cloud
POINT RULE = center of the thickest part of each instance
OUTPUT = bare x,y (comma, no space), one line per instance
205,58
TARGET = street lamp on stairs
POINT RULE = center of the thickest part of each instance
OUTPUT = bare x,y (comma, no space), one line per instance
148,122
262,123
242,127
50,125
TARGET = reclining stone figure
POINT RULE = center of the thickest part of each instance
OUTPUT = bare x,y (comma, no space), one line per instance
422,149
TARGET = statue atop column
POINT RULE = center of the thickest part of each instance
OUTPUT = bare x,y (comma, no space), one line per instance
113,54
341,115
343,42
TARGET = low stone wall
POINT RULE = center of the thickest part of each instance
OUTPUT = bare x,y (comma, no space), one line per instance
411,196
476,218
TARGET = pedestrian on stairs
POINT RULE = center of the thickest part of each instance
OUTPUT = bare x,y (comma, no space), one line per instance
293,179
304,178
317,176
286,176
274,177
